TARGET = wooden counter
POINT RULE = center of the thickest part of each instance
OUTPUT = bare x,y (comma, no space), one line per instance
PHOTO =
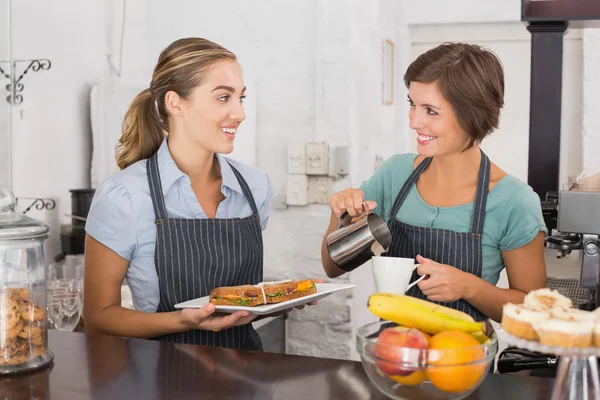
88,366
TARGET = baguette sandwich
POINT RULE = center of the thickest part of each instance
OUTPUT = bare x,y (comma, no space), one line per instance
245,295
263,293
280,292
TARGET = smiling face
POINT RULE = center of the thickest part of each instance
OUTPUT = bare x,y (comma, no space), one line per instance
214,110
434,122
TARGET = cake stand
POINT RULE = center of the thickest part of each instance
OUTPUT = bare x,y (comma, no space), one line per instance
577,374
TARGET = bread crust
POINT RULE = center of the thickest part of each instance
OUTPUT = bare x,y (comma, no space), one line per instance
254,294
291,288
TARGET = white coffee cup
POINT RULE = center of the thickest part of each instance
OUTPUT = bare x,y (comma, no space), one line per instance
392,274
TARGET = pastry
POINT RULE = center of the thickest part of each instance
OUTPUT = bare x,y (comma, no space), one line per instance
517,320
572,314
545,299
558,332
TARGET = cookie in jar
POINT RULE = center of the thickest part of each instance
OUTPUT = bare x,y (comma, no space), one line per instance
22,327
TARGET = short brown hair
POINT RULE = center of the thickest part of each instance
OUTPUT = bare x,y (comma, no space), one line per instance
181,67
470,78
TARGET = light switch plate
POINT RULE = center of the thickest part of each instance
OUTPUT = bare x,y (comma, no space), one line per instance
296,158
319,189
297,190
317,160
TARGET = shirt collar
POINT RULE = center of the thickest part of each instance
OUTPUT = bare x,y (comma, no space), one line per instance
170,173
229,179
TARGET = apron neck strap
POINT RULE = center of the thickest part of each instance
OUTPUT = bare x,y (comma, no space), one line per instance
245,188
158,200
483,184
410,182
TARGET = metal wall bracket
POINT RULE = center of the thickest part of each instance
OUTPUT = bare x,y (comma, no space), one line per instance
39,203
15,87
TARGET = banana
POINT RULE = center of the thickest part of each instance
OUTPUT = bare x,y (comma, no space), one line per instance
481,337
451,312
426,316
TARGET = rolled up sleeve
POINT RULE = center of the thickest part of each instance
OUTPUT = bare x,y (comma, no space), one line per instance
111,219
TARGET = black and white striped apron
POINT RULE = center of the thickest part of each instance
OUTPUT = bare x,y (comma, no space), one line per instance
193,256
458,249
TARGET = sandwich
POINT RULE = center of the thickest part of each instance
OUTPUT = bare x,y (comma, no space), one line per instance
277,292
263,293
244,295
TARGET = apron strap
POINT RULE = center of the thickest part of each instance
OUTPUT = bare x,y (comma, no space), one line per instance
412,179
483,185
158,200
245,188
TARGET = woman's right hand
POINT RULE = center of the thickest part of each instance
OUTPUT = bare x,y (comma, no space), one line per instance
204,318
351,200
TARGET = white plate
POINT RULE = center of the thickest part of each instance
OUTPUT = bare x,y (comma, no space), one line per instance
323,290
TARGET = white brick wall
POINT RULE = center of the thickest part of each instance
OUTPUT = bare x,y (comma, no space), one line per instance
591,100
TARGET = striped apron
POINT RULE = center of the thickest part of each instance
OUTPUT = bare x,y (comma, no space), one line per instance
193,256
458,249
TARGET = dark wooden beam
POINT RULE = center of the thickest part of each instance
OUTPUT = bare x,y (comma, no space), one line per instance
545,105
579,13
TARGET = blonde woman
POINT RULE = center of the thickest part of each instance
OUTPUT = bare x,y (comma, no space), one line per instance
179,219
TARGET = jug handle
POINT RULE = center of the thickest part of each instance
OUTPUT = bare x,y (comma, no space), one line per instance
346,219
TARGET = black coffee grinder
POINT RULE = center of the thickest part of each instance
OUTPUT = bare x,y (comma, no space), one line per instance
72,236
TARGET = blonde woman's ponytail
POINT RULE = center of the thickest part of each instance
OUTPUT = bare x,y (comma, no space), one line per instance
143,131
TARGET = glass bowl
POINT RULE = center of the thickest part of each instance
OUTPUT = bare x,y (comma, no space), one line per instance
417,372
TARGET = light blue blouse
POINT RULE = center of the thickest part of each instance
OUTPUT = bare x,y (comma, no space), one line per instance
122,217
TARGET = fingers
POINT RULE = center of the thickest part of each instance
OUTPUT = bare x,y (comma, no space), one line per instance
350,200
422,260
218,323
371,204
335,206
204,312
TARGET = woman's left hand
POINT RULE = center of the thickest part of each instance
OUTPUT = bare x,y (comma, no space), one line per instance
444,284
314,303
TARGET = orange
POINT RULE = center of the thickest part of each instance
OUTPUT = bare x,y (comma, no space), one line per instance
446,370
410,380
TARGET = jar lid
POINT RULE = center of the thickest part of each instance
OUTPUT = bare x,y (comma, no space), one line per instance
15,225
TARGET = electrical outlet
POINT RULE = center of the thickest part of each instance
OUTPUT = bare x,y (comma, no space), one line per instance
319,189
296,159
339,161
297,190
317,159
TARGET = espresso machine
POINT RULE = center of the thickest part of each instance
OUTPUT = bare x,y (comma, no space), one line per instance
578,228
576,215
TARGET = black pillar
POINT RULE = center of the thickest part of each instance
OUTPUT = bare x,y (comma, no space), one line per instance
545,105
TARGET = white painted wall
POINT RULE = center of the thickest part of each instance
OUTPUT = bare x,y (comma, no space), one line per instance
51,129
5,152
429,12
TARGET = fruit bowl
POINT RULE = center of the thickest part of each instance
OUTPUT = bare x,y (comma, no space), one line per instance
401,364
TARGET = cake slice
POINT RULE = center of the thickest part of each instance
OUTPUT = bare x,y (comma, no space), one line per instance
517,320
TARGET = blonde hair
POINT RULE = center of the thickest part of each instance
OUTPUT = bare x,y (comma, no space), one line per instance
181,67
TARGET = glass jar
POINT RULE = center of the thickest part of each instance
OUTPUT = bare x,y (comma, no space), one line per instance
23,322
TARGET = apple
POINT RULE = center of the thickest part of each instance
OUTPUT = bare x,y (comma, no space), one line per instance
397,352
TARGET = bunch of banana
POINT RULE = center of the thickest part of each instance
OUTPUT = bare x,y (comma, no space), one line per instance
424,315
